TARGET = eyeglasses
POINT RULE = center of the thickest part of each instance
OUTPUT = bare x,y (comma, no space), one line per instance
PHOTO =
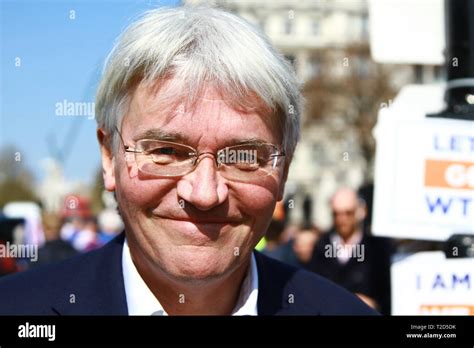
244,162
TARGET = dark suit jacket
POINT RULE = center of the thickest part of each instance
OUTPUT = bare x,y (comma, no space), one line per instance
92,284
370,277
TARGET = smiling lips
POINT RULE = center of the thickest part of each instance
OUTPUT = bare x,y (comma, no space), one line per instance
196,232
220,221
207,221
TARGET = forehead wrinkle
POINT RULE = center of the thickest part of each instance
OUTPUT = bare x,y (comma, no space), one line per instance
167,94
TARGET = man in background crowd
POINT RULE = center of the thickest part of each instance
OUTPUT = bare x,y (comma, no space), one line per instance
303,245
297,249
351,257
54,249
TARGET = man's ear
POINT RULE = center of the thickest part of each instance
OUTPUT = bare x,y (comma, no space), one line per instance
281,189
108,167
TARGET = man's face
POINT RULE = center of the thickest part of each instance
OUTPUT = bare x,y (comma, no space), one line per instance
201,225
344,209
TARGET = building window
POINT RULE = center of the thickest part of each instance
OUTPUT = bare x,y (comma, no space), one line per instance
314,67
363,67
288,26
365,28
418,72
291,58
319,156
262,23
439,73
315,27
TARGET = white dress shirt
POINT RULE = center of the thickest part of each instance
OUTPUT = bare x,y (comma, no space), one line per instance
345,249
141,301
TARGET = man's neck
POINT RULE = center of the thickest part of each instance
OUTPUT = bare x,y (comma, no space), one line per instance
214,297
352,238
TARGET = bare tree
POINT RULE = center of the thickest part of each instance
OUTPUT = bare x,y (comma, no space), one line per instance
351,89
16,181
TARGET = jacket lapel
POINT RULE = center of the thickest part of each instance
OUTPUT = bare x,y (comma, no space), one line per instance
273,287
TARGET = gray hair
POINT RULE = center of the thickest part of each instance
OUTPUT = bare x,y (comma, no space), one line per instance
197,45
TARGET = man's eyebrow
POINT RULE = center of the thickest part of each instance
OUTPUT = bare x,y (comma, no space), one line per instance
158,134
251,141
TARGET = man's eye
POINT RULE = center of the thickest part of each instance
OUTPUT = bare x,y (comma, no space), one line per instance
167,154
245,158
164,151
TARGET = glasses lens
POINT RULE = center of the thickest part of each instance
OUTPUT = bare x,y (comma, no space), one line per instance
164,158
248,162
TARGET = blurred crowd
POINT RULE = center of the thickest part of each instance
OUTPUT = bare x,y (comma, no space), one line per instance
57,236
347,253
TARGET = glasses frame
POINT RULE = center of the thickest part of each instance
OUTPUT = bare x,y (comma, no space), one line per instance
197,155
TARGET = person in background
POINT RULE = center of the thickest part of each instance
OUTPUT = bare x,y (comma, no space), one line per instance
110,225
303,245
296,251
80,232
88,239
290,231
351,257
273,240
7,264
54,249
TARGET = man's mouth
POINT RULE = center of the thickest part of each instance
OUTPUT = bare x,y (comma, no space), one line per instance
197,220
197,232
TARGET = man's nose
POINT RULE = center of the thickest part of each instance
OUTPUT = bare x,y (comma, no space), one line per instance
204,188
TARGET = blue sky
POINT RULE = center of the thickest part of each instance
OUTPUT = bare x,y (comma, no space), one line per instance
53,51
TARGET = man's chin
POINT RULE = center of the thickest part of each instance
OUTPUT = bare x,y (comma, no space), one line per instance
199,264
196,275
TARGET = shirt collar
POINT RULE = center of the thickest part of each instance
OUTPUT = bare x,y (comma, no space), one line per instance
141,301
345,249
356,238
